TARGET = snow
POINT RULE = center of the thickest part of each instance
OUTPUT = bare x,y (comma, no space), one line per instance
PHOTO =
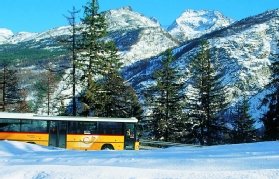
5,34
193,24
152,38
21,37
256,160
126,18
151,42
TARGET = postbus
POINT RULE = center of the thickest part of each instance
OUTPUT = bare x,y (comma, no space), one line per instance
78,133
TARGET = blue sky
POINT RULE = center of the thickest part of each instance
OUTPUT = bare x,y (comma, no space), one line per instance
41,15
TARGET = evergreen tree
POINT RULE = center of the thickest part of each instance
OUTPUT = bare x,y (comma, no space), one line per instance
93,49
242,123
271,118
10,87
118,99
165,101
206,99
106,93
46,87
74,47
71,76
23,105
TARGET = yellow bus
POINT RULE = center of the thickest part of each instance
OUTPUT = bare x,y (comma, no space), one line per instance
78,133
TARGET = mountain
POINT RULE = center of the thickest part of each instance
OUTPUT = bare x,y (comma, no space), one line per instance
193,24
244,50
137,36
21,37
5,34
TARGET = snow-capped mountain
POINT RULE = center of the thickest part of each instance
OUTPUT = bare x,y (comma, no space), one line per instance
244,47
126,18
10,38
193,24
5,34
244,50
21,37
137,36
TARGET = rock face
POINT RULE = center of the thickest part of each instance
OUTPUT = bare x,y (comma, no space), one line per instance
137,37
193,24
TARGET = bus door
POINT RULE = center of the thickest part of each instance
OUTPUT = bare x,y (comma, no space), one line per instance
130,136
57,133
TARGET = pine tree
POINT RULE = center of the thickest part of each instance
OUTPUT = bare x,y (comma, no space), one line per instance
46,87
74,49
23,105
165,101
242,123
93,49
206,99
69,71
118,98
106,92
92,45
271,118
10,87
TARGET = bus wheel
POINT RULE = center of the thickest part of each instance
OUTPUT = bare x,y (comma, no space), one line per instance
107,147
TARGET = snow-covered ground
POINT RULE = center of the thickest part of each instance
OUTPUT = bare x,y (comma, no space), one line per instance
257,160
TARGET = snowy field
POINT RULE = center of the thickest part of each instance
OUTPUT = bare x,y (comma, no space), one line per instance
247,161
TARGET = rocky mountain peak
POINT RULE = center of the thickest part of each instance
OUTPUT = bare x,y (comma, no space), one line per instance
5,34
195,23
126,18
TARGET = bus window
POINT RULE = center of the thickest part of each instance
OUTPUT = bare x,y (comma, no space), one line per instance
9,125
110,128
82,127
33,126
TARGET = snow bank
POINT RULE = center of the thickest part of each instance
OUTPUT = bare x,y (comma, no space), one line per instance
258,160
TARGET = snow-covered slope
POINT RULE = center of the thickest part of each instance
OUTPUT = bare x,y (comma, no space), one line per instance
249,161
21,37
126,18
29,36
5,34
244,50
193,24
137,36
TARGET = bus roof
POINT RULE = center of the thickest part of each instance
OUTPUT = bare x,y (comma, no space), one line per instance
31,116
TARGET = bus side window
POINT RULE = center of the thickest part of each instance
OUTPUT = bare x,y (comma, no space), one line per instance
114,128
81,127
3,127
7,125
